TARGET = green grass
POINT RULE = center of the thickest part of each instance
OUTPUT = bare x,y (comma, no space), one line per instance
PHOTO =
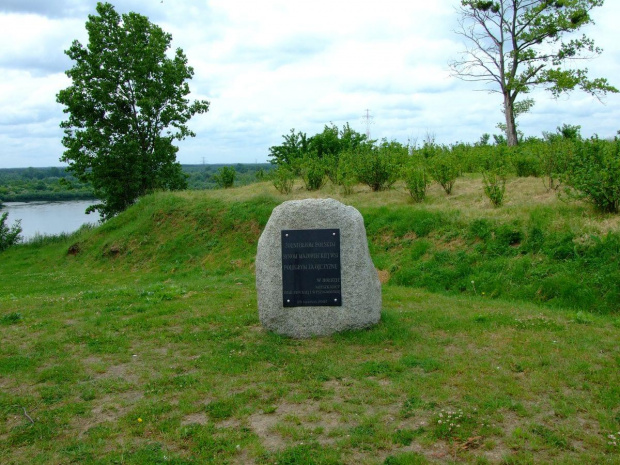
145,346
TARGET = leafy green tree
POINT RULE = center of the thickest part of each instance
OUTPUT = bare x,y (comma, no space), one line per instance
516,45
326,143
325,146
9,235
332,141
126,105
291,152
569,131
225,177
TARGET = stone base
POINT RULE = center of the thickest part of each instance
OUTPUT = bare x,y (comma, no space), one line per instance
360,286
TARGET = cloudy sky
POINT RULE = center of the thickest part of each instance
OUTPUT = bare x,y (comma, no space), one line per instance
268,66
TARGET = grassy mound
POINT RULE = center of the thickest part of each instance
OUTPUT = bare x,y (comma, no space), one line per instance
526,260
544,252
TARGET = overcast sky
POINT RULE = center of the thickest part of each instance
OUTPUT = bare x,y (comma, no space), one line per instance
268,66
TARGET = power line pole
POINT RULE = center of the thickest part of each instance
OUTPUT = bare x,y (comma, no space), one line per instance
369,120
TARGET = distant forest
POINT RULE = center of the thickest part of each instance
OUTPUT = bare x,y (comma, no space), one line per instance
30,184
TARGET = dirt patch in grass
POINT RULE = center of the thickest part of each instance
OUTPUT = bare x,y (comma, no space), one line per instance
263,426
107,409
229,423
195,418
452,245
255,230
99,369
384,276
309,415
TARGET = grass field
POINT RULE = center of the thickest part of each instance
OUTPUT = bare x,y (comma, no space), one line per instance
138,342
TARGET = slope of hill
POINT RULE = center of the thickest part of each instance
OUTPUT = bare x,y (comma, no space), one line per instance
139,341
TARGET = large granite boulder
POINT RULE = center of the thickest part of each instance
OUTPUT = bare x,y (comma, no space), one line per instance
327,282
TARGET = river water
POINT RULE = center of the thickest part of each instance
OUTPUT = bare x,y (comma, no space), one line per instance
49,218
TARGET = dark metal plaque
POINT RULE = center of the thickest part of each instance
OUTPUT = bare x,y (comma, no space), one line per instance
311,268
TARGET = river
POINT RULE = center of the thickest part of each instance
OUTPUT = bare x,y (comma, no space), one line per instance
49,218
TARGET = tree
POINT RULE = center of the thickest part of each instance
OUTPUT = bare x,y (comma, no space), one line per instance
516,45
225,177
126,105
9,235
326,145
332,141
292,150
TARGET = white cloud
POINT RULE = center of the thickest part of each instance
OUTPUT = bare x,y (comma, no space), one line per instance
56,9
35,43
273,65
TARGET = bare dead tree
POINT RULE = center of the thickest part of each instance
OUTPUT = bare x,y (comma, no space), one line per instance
515,45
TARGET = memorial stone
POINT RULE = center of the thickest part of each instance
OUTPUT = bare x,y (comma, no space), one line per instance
314,274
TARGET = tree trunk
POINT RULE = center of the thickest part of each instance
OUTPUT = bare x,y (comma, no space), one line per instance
511,127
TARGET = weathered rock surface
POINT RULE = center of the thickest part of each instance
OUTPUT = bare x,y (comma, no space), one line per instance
360,286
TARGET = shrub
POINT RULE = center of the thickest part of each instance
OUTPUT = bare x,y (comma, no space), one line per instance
313,172
379,167
553,159
494,186
330,164
345,175
283,179
416,179
9,235
444,168
525,164
494,178
594,174
293,149
225,177
474,159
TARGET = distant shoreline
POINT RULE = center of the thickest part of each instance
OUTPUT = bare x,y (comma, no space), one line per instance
56,184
